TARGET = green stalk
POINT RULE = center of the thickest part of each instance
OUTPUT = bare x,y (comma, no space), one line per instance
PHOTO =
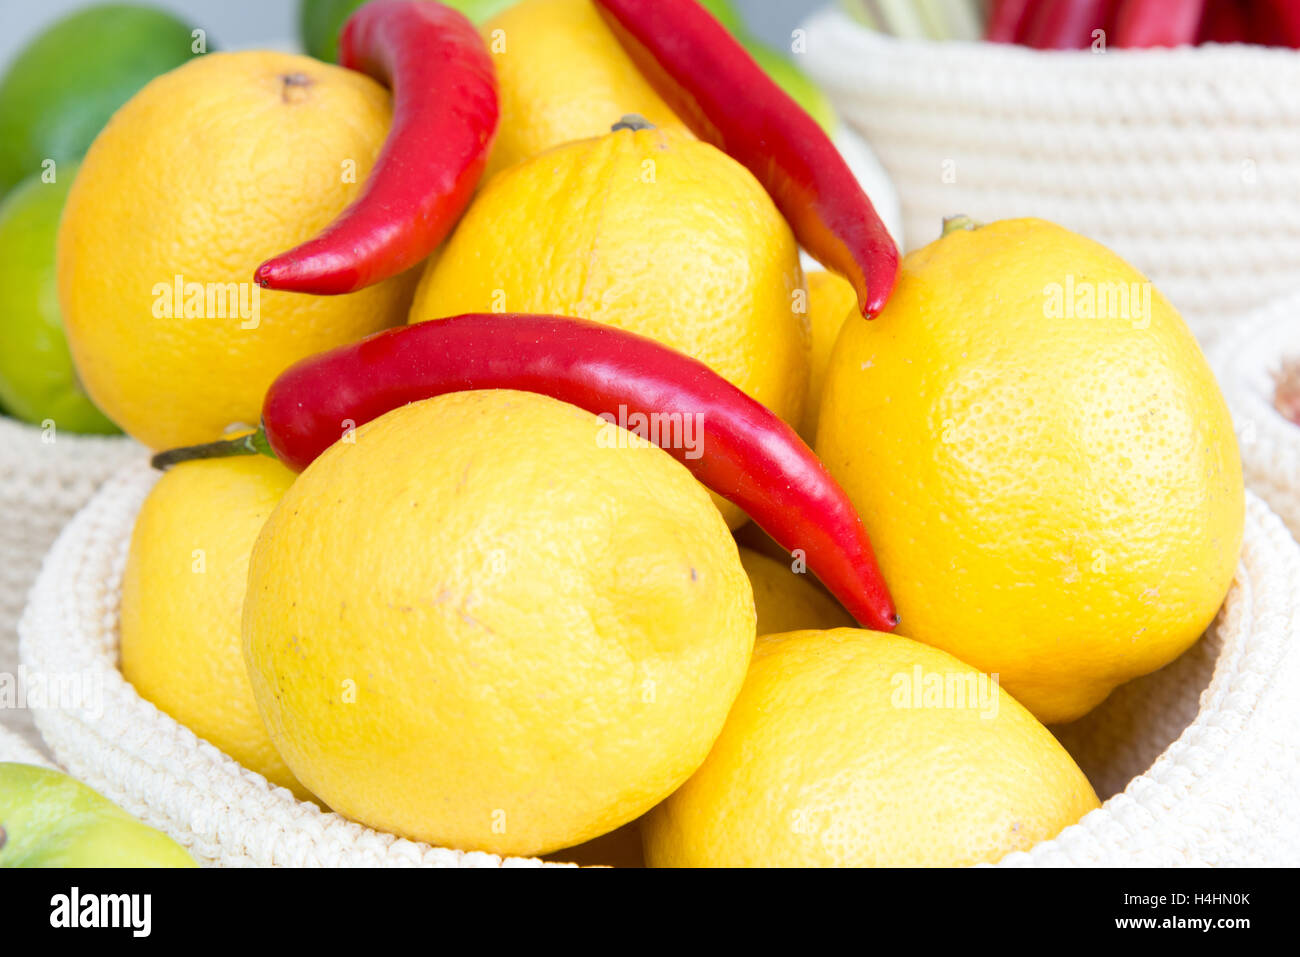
251,443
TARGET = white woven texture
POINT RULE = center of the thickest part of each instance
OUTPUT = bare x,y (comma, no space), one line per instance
1245,363
15,748
135,755
42,484
1182,161
1206,750
1201,758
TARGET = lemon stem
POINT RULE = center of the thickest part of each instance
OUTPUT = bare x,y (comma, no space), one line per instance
252,443
632,121
953,223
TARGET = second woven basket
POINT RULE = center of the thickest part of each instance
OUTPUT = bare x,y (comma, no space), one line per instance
1185,162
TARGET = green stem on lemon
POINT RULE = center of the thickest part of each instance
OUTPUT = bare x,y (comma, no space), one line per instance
251,443
632,121
953,223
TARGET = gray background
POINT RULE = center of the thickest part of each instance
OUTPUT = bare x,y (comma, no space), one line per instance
232,24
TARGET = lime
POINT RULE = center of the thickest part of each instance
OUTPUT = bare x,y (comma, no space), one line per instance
37,381
63,87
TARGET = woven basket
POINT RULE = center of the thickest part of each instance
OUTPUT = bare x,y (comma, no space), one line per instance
44,479
1199,760
1182,161
1270,445
15,748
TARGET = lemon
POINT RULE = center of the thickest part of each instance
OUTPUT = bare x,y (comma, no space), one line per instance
483,627
1053,496
831,303
786,600
648,231
855,748
562,76
204,173
182,597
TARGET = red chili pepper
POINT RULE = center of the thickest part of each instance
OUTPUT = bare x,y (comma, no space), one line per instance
445,115
1066,24
1158,23
1006,20
1276,22
746,454
1225,21
715,86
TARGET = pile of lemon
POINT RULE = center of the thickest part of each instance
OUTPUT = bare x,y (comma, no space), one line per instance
473,624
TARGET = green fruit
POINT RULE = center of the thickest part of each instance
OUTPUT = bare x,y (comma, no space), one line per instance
48,819
319,21
63,87
37,378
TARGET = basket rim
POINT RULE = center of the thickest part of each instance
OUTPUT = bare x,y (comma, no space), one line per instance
1243,361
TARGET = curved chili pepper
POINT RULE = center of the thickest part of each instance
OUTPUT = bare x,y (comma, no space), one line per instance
1276,22
1225,21
715,86
745,453
1007,20
1067,24
445,114
1141,24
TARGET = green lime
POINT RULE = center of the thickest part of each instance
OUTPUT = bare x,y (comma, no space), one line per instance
37,379
48,819
319,21
63,87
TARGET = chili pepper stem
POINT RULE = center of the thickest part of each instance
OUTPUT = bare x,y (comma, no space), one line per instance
251,443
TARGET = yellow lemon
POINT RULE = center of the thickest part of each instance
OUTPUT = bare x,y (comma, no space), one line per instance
204,173
482,627
785,600
647,231
831,302
182,596
1043,460
562,76
855,748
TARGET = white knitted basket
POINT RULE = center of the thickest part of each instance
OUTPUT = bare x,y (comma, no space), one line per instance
1182,161
1270,445
1214,782
15,748
45,476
